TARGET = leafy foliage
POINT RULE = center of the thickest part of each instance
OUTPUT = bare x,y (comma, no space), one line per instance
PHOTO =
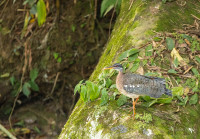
107,5
150,101
178,91
172,71
88,90
27,86
122,100
170,43
104,97
26,89
127,54
193,99
132,62
149,50
135,66
41,12
33,74
197,58
57,57
37,9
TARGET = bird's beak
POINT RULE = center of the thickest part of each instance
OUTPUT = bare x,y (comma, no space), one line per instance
107,68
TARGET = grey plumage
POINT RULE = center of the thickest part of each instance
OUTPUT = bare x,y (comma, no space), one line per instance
145,85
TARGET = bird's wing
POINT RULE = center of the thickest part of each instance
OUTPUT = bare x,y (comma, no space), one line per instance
144,85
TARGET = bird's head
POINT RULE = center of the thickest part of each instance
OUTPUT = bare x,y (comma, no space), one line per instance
116,66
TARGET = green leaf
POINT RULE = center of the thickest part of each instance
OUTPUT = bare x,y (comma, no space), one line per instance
189,38
5,75
177,91
20,123
33,74
149,103
78,87
107,5
146,98
183,100
12,80
108,83
151,74
170,43
135,66
96,93
33,10
26,21
149,50
122,100
26,89
165,100
83,93
172,71
193,99
157,39
123,56
195,89
73,27
36,129
176,63
55,55
195,71
133,51
41,11
197,59
34,86
127,54
133,57
104,97
93,91
59,59
113,86
144,62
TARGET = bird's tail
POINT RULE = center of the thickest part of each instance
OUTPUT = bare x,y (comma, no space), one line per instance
168,92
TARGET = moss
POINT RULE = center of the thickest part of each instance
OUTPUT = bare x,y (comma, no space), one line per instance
173,15
134,28
122,36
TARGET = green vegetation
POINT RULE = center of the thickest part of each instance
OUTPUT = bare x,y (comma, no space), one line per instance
130,60
41,12
27,85
108,5
57,57
37,11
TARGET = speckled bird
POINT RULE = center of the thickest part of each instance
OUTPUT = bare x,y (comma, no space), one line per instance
135,85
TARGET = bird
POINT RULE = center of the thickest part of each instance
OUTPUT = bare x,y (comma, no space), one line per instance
135,85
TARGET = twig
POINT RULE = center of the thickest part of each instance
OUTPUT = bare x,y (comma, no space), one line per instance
111,21
4,8
7,132
130,4
54,85
195,17
95,9
188,70
20,88
2,2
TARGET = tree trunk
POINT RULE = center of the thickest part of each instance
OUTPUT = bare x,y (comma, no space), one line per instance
135,26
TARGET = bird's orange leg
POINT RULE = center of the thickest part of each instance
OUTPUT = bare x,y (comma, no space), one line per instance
134,102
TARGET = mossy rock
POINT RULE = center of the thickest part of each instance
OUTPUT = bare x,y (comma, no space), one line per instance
133,29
